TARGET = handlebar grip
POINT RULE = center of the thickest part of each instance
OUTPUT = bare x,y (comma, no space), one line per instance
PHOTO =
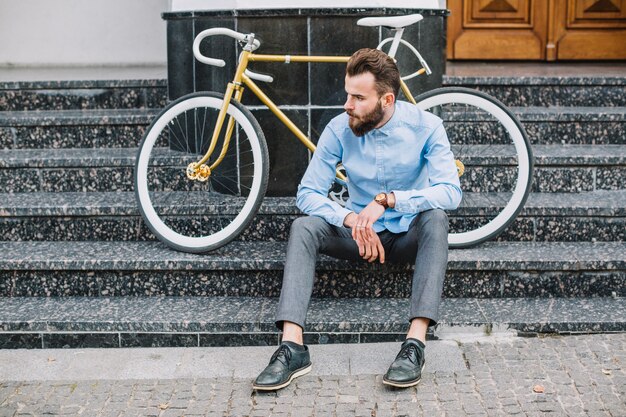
260,77
218,31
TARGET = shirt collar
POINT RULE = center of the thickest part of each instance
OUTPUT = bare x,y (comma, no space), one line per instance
391,123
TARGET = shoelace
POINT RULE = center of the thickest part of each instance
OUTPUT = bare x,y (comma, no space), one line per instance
282,352
409,352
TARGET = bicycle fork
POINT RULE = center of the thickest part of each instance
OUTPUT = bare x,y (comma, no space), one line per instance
199,170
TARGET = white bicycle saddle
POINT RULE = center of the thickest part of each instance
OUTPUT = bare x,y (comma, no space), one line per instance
395,22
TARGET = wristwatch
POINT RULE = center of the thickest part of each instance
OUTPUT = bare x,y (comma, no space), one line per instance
381,199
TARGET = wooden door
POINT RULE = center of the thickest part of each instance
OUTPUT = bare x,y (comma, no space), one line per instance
588,29
537,29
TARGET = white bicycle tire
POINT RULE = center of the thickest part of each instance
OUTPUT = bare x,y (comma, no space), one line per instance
180,241
519,138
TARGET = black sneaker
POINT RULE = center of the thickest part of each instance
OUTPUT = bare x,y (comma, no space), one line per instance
406,370
286,363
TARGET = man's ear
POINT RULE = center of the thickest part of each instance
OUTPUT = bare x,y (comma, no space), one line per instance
388,99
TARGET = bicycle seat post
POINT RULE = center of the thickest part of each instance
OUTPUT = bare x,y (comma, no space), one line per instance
396,42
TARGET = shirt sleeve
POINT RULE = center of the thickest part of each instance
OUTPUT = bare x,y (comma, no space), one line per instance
444,191
312,197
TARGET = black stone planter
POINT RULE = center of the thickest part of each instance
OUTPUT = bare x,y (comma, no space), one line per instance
314,93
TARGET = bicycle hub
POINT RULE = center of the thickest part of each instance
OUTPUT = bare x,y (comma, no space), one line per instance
200,173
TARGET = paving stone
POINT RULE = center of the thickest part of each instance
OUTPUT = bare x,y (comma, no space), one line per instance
363,412
110,413
303,410
472,409
439,393
8,411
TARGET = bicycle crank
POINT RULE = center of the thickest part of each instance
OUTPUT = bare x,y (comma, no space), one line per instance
198,173
460,168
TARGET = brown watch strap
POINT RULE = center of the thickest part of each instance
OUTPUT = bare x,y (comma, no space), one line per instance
382,199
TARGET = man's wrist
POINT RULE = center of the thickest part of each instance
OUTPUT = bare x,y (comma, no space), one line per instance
346,220
387,200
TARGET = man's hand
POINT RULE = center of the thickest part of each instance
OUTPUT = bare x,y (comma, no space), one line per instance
350,220
371,250
370,247
365,220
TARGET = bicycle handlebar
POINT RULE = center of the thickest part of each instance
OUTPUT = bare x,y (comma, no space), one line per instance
219,31
253,44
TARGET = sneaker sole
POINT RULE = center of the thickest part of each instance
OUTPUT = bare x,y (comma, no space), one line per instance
406,384
299,372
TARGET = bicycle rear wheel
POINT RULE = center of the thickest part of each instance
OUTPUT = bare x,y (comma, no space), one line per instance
190,215
494,150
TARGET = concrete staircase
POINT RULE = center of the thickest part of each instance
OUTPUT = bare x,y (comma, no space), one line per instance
78,268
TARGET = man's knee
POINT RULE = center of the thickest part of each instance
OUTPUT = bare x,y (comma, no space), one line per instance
434,221
308,225
438,216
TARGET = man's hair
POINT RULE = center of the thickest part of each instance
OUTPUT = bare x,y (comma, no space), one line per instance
382,67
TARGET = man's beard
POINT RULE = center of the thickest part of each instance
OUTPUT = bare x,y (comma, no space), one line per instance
364,124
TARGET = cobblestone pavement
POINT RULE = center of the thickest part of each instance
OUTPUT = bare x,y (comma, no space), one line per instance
579,375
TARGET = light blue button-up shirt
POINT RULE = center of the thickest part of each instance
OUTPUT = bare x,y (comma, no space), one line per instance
409,156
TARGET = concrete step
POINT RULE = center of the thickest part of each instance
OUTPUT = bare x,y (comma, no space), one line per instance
590,216
491,270
110,128
82,94
530,90
556,90
555,125
88,322
573,168
125,127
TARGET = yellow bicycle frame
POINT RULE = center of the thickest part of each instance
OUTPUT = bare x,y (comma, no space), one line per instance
235,91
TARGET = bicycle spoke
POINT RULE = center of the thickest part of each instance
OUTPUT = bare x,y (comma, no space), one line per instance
481,141
183,144
184,207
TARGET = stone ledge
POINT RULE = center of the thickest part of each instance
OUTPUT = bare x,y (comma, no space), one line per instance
595,216
269,256
75,204
77,117
544,155
83,84
131,115
237,321
536,81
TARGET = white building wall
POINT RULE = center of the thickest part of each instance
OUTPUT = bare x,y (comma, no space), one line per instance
82,32
291,4
118,32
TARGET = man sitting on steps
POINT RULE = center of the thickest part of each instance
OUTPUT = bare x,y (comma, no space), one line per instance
402,178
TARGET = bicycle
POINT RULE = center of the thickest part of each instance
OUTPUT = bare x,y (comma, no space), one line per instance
195,199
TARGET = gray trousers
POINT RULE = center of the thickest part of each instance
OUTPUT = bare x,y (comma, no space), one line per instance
425,244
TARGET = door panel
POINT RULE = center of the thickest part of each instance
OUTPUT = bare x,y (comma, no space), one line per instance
503,14
589,29
586,14
537,29
497,29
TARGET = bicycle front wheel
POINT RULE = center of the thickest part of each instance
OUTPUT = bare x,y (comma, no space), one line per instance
190,215
494,159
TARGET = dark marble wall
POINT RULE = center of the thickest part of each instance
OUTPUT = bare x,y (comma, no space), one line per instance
314,92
